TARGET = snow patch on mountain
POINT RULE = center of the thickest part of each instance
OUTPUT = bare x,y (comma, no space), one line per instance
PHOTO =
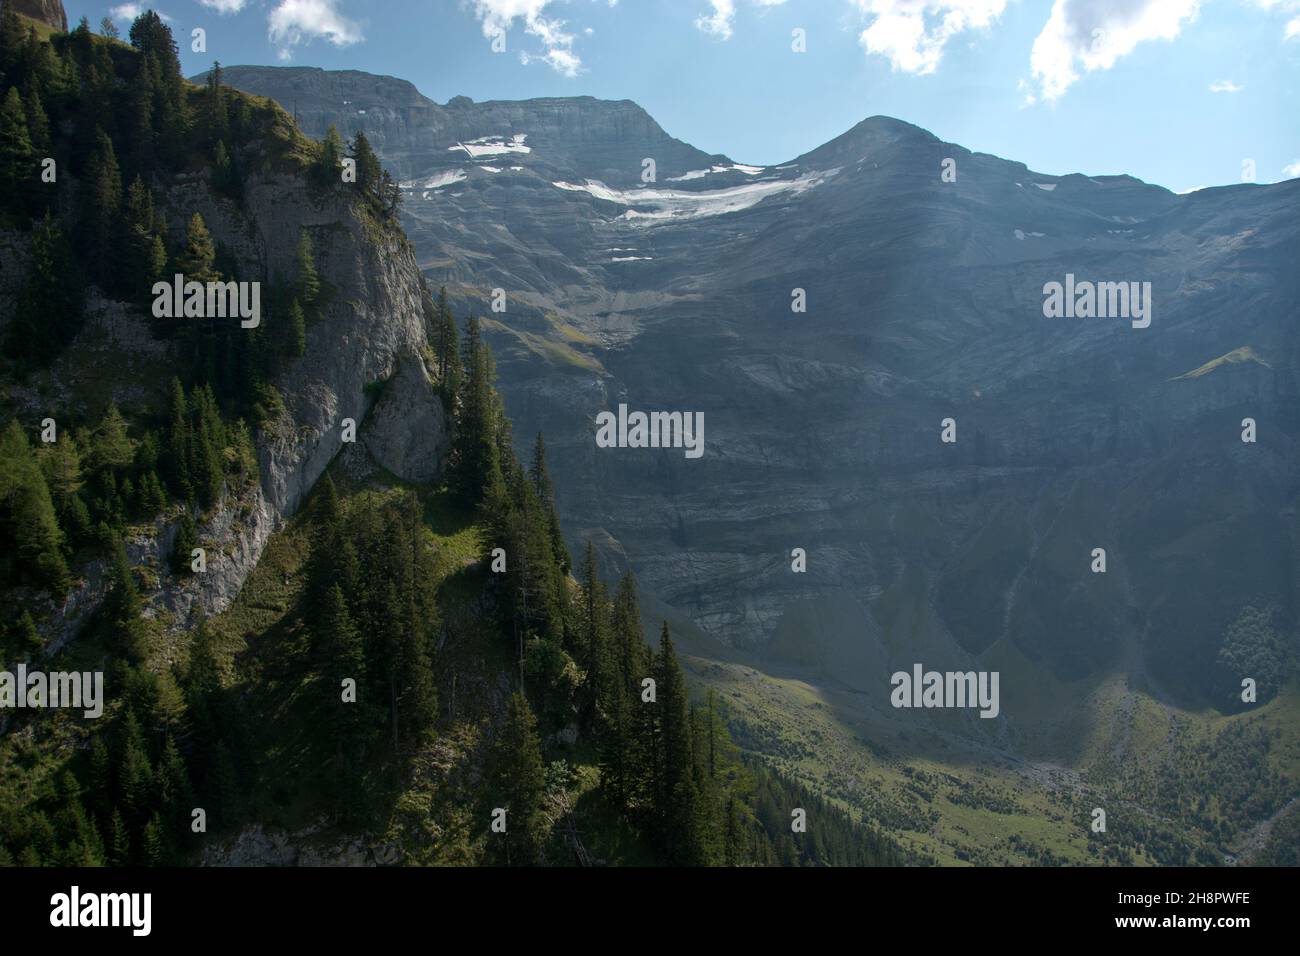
492,146
658,204
436,181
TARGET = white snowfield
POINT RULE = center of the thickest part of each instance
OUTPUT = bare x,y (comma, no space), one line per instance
658,204
1047,186
436,181
492,146
701,173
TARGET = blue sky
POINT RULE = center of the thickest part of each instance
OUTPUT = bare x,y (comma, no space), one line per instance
1183,93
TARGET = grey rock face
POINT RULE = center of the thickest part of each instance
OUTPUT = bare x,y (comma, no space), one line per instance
46,11
407,430
373,325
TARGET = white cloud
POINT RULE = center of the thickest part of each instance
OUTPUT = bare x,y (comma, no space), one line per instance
1291,8
913,33
1291,170
721,21
1094,34
1225,86
224,6
294,22
129,11
498,16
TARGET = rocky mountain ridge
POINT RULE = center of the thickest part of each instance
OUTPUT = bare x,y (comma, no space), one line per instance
924,301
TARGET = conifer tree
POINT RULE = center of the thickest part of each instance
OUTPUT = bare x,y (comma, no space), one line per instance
121,608
541,479
18,178
369,171
340,647
145,252
216,117
307,286
187,539
101,208
29,527
119,849
448,351
297,329
327,169
49,308
29,639
674,802
197,260
38,127
474,453
517,782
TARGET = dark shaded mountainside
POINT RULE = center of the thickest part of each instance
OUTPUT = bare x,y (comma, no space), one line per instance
924,301
299,551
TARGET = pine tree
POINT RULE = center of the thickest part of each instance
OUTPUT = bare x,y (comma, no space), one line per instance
121,608
474,452
61,464
338,644
517,783
327,170
196,261
49,309
175,792
101,209
38,126
448,351
307,286
541,479
369,171
592,651
34,552
153,844
119,848
151,36
29,639
216,117
11,45
297,328
17,168
187,539
675,800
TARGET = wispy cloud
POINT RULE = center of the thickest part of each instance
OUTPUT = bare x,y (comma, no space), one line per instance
1290,9
498,16
1091,35
1225,86
129,11
912,34
1291,170
295,22
720,21
224,6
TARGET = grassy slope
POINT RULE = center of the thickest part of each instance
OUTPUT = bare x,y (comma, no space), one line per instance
941,797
